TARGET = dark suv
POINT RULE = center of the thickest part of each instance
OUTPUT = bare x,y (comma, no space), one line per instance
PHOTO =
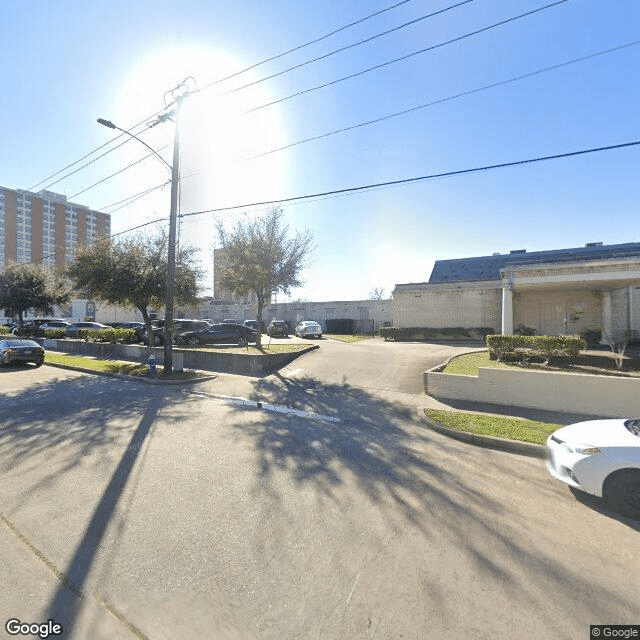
221,333
180,326
278,328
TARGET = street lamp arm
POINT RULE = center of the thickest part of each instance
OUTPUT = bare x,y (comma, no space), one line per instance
108,123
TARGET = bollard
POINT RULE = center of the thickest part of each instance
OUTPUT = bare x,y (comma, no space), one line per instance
152,361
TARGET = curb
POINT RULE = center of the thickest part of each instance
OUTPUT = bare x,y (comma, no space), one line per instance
125,376
487,442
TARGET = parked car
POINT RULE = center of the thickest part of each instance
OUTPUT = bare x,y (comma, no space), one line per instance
32,326
180,326
600,457
308,329
138,327
20,350
223,333
72,329
252,324
55,324
278,328
229,321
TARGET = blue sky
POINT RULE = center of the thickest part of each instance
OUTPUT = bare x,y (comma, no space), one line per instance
64,64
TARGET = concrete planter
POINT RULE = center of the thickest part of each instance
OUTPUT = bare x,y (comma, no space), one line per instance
596,395
244,364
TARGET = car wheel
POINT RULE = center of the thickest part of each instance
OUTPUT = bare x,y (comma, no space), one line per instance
622,492
193,341
40,362
242,341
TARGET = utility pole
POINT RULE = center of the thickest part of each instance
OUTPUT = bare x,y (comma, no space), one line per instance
171,254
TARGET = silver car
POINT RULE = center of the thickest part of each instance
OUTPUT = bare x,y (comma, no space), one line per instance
308,329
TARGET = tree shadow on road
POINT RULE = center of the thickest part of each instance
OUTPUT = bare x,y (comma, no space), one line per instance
420,482
48,431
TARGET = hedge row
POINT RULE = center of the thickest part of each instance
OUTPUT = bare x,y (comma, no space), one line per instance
107,335
425,333
547,347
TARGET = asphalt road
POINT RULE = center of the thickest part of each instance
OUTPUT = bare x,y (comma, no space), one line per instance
376,364
132,510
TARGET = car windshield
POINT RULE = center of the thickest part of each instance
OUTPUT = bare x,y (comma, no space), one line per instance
20,343
633,426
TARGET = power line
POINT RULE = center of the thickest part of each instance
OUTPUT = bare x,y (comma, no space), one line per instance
131,199
350,190
233,75
72,164
349,46
302,46
447,174
406,57
441,100
95,184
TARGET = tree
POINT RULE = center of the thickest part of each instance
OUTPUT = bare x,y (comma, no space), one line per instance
377,294
133,273
31,286
261,258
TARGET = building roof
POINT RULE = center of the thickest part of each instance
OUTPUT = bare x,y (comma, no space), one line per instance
488,267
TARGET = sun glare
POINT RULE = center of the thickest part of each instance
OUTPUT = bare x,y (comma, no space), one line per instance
216,140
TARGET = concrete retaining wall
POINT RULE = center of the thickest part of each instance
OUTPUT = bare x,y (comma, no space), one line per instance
192,359
571,392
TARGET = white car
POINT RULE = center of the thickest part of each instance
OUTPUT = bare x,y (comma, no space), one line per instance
600,457
308,329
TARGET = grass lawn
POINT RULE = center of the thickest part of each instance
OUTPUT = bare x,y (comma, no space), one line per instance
267,349
111,366
469,364
497,426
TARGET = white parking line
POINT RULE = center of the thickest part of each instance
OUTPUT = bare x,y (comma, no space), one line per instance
276,408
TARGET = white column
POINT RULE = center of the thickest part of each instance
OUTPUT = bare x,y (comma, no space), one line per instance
607,326
507,310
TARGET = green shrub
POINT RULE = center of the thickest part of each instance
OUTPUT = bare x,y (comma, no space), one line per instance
107,335
4,331
426,333
29,331
55,334
523,347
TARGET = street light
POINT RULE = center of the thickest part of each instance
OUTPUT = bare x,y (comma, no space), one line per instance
171,250
108,123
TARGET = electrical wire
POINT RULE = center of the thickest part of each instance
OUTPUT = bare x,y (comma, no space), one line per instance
233,75
441,100
416,179
72,164
378,185
95,184
302,46
349,46
133,198
406,57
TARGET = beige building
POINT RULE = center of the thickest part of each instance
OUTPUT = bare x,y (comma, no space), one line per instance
590,288
369,315
44,227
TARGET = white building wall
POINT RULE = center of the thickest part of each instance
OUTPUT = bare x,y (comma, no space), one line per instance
464,307
380,311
